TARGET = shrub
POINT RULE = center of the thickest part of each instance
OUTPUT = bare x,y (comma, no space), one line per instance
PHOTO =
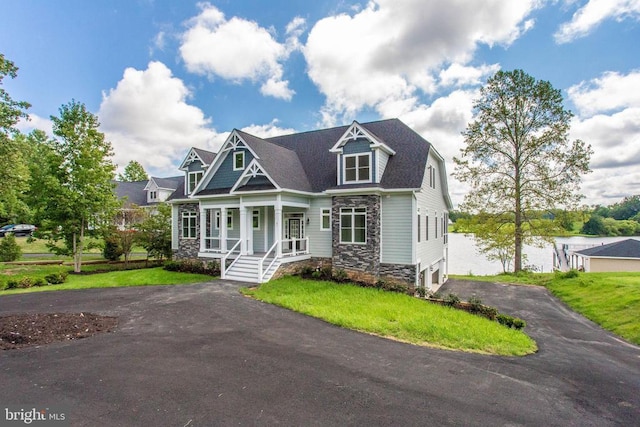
451,300
568,274
112,249
519,323
211,268
308,271
40,281
421,291
56,278
12,284
9,249
340,275
316,274
505,320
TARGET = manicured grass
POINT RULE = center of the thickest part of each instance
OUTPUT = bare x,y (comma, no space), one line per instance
612,300
142,277
395,316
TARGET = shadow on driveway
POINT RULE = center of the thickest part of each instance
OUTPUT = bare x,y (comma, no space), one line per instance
205,355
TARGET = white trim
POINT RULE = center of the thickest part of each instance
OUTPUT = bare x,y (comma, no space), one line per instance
353,228
187,182
188,215
251,171
191,156
355,131
357,156
322,215
235,154
253,216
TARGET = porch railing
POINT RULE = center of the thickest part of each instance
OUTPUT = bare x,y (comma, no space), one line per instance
212,244
293,247
261,270
223,261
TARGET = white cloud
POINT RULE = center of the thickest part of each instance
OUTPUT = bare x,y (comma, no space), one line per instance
460,75
391,49
237,49
589,16
267,131
35,122
610,92
147,118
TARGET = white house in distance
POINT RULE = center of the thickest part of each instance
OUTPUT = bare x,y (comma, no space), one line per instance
368,198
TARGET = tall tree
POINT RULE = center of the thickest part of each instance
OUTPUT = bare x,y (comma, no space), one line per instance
518,158
12,163
133,172
80,199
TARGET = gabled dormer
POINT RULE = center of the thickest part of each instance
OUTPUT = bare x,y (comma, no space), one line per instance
362,156
195,165
159,189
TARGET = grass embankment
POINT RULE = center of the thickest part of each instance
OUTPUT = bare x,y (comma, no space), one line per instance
39,246
611,300
395,316
142,277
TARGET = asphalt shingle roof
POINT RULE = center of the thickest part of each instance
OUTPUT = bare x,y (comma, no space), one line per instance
629,248
133,192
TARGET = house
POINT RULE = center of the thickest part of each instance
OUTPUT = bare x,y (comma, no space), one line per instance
368,198
618,256
144,194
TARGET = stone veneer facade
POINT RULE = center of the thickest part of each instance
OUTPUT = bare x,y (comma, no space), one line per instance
187,248
356,258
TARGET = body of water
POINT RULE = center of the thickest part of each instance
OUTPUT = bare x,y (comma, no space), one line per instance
464,257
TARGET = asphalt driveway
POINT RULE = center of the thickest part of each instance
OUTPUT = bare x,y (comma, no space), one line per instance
201,355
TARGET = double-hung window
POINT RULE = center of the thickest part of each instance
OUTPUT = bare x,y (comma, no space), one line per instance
325,223
194,179
353,225
189,224
238,160
357,168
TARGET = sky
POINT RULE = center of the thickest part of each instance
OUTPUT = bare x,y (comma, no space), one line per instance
163,75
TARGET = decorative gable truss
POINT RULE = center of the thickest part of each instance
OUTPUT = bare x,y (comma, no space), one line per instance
254,170
361,166
231,145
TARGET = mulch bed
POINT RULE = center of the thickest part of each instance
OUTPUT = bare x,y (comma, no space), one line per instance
26,330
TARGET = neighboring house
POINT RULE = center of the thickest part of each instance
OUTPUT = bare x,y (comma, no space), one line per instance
618,256
370,199
144,194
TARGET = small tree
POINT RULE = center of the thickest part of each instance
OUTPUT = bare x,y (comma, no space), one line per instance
133,172
518,158
9,249
79,197
155,232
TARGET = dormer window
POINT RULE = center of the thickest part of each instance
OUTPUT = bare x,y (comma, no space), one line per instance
238,160
194,179
357,168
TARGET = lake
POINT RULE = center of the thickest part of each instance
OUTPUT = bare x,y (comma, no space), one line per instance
464,257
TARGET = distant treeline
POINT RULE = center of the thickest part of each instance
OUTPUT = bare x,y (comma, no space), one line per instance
618,219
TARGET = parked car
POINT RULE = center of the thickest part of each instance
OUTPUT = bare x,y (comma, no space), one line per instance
18,230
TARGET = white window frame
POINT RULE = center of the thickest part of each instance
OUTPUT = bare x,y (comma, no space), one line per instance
325,213
196,182
229,220
216,220
357,156
187,217
237,154
256,214
153,195
352,213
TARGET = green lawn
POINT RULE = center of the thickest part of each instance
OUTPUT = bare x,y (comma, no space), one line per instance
395,316
142,277
612,300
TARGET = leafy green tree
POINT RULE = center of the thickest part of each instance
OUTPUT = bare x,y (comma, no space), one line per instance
133,172
594,226
79,198
12,163
518,158
155,232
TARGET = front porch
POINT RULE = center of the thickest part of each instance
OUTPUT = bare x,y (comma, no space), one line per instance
252,240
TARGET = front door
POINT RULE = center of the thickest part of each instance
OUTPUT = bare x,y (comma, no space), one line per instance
294,233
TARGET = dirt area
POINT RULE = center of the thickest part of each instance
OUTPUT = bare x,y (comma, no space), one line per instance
26,330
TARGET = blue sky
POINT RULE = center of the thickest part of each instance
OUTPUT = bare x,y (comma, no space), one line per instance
166,75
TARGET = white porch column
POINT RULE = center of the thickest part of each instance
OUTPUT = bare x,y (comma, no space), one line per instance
248,226
277,231
243,231
223,230
203,228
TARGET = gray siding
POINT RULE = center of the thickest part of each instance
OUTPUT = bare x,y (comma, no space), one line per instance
225,176
319,240
397,229
358,146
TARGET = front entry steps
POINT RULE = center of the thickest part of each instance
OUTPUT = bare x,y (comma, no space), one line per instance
246,269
